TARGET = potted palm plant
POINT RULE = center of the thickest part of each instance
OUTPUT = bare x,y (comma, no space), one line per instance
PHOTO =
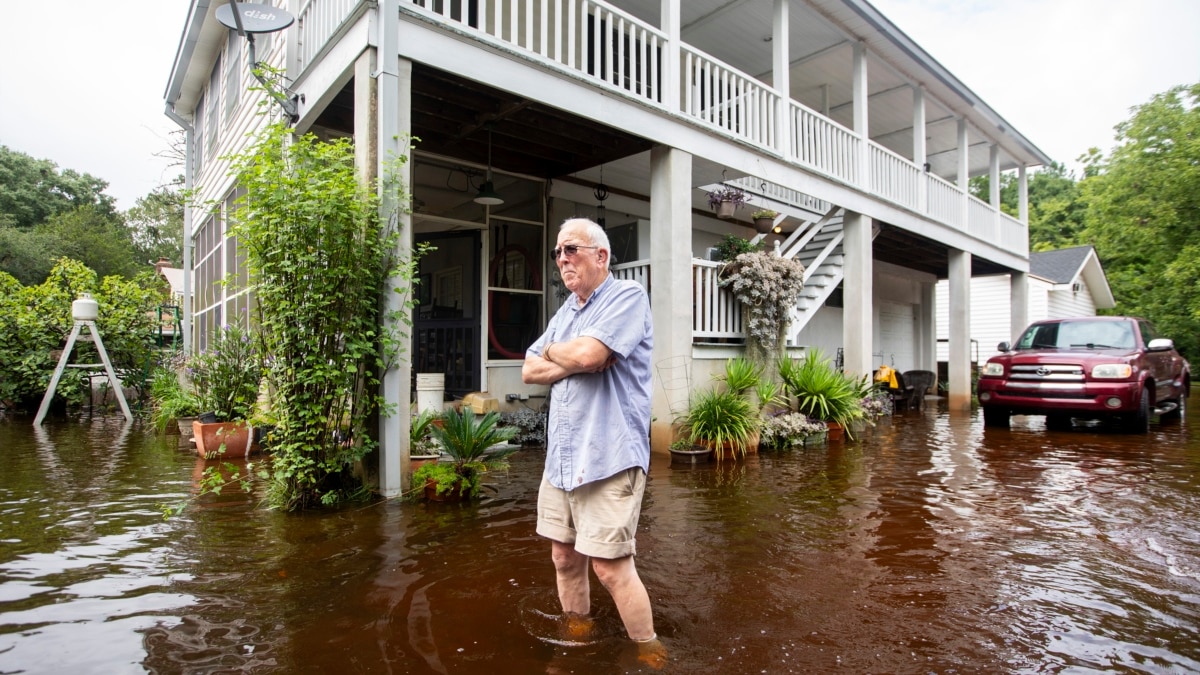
475,445
822,392
723,420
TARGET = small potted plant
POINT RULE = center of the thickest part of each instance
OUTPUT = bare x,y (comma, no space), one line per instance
725,200
683,451
475,445
764,220
422,448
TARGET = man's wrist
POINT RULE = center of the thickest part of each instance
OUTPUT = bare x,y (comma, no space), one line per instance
546,352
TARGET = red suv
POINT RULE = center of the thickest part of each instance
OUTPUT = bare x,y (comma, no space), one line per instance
1100,367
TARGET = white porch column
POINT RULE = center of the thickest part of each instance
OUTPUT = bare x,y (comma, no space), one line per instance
857,326
927,349
1022,195
1019,318
919,151
392,121
671,265
782,79
861,123
670,12
964,169
960,330
994,176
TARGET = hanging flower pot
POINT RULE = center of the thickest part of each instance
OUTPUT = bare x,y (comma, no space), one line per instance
764,220
725,200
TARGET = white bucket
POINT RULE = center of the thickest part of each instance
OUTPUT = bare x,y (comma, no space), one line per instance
431,389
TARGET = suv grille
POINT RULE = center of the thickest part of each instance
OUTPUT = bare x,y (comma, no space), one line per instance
1048,373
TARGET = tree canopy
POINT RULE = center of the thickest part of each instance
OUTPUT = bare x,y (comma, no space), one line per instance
1143,209
34,190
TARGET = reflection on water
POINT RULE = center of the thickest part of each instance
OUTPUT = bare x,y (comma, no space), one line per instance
933,545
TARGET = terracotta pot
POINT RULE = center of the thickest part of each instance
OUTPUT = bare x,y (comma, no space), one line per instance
431,494
836,432
237,437
418,461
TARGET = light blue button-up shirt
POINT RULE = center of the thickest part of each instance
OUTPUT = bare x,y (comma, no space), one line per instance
600,422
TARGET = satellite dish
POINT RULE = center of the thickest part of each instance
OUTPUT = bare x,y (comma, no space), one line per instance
254,18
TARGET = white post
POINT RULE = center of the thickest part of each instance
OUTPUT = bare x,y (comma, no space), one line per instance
919,151
857,316
781,78
959,396
1019,290
671,264
861,123
670,11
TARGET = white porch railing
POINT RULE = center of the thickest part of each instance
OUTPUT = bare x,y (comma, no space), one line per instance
316,23
638,270
601,43
823,145
728,99
894,178
981,220
945,202
588,37
715,312
1014,235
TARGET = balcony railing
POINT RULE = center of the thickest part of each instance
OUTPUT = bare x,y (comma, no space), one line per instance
598,42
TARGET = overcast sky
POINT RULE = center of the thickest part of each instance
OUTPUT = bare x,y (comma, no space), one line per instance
82,85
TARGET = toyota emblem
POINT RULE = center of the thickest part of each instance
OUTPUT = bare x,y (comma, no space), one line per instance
1043,371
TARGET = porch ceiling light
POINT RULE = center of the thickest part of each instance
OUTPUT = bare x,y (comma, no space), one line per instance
487,192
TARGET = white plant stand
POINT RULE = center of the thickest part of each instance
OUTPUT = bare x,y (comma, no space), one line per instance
94,336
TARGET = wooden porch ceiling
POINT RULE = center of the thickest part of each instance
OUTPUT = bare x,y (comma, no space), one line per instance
452,115
905,249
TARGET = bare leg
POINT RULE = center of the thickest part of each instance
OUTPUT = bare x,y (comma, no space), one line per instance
621,579
571,569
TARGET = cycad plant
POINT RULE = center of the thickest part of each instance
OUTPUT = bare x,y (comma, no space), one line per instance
466,438
822,392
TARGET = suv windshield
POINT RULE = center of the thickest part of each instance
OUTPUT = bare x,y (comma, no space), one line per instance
1076,334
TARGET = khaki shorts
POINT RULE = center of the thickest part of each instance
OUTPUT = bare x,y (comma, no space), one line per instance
600,518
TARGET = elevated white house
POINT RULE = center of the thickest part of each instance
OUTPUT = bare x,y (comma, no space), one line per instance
1063,283
628,110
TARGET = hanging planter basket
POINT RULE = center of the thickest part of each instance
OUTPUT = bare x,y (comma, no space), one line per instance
725,209
763,225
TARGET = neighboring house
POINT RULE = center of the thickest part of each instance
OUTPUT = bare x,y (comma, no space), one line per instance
1064,283
626,111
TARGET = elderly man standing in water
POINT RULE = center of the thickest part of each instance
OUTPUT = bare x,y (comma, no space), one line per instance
595,355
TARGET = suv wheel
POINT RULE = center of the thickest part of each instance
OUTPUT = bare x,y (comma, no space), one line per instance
995,417
1178,413
1139,422
1058,422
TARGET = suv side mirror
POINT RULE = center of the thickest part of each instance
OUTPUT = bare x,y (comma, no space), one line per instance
1004,347
1161,345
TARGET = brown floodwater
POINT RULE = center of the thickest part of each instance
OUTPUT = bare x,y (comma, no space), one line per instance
931,545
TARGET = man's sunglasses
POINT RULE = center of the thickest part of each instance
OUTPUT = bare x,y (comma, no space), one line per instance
570,250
